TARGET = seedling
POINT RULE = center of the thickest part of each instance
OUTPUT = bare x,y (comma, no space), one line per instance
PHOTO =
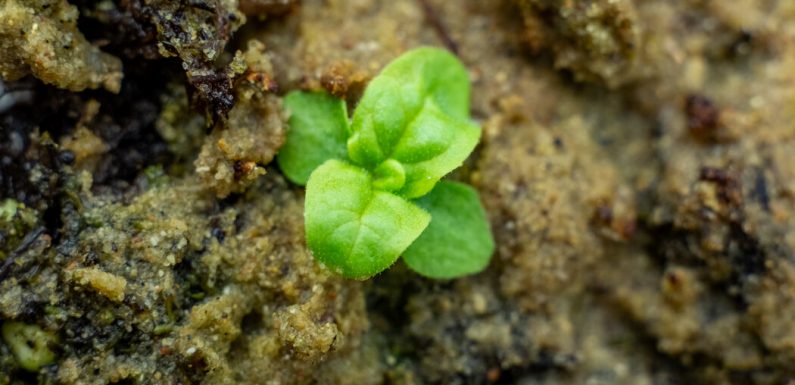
373,184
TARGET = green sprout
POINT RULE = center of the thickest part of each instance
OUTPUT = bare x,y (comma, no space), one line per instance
373,189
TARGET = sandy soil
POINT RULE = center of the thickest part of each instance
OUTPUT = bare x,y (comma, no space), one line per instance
634,167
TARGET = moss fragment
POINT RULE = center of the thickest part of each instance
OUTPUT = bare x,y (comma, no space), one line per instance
8,209
16,220
29,344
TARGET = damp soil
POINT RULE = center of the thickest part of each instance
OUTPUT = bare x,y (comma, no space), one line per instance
635,166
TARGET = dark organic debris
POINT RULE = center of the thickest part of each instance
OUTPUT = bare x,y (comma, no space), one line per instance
703,117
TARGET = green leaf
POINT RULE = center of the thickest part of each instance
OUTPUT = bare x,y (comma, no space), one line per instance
458,241
353,228
415,112
318,131
389,176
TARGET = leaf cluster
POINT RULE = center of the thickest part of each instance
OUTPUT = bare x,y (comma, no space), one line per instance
373,183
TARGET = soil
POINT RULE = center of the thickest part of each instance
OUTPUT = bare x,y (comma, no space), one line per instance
633,165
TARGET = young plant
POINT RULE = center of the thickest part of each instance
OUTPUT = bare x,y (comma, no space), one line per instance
373,189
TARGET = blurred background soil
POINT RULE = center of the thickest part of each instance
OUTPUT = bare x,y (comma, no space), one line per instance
636,166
